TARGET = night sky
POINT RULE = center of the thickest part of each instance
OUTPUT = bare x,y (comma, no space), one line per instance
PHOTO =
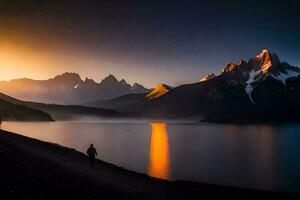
173,42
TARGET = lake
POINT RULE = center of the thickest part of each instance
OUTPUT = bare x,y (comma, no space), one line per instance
254,156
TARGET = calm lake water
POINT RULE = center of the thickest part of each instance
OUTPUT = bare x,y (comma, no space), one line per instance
262,157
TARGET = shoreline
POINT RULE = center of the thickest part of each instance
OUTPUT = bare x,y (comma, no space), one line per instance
34,169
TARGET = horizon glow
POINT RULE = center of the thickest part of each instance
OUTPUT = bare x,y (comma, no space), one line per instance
177,45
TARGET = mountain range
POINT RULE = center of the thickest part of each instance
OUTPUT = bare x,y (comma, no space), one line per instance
68,88
260,89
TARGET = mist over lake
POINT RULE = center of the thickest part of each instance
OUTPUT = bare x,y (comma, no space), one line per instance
252,156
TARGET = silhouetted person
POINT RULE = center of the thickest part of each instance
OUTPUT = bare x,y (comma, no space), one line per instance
91,152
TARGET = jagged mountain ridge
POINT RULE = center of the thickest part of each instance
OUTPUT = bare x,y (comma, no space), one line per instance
68,88
261,89
254,72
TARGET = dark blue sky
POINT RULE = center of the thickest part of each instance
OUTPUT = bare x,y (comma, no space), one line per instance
173,42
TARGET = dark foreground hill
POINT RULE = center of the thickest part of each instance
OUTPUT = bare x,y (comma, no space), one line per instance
14,112
61,112
31,169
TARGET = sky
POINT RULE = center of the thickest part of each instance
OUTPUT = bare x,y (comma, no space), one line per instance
149,42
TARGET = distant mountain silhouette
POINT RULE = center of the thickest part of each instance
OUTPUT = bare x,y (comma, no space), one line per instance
68,88
262,89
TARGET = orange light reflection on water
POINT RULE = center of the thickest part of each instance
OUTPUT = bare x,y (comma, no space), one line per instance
159,151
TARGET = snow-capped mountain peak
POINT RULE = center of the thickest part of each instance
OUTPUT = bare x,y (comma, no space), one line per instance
258,69
265,61
266,65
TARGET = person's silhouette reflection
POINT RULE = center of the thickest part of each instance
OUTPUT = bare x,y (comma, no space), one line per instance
91,152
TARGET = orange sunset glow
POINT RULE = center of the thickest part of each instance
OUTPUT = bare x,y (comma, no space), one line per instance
18,61
149,99
159,151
